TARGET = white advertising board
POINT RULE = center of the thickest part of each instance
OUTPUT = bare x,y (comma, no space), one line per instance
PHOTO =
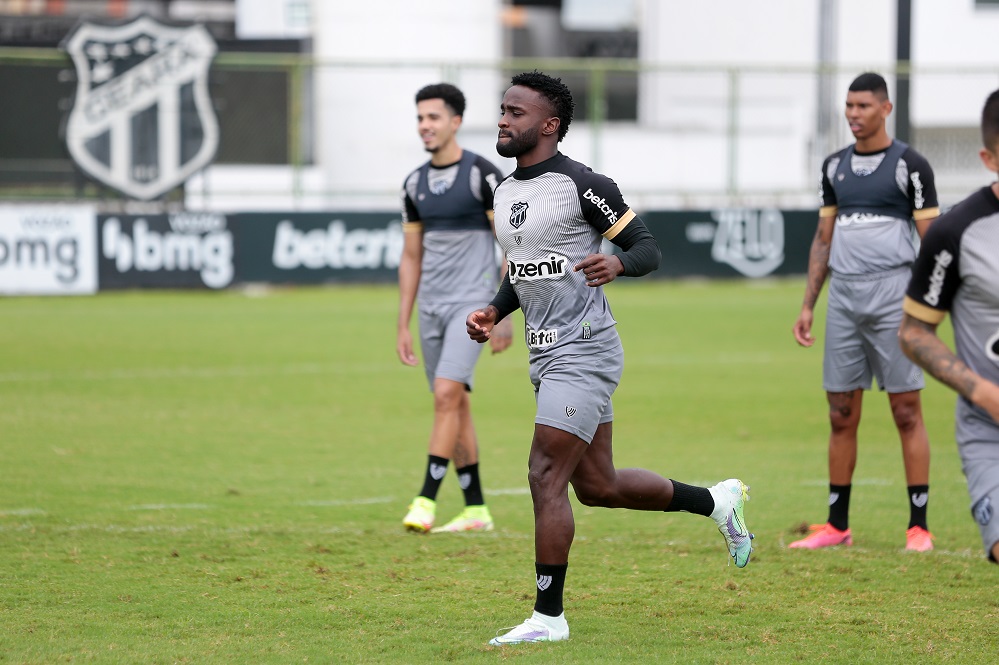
48,249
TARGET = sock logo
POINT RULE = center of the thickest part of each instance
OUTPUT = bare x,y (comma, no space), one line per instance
437,471
981,511
833,497
919,499
544,581
464,480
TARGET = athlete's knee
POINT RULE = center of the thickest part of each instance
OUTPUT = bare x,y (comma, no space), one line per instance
448,396
843,414
907,414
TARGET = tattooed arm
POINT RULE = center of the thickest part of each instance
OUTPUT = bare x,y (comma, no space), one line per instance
920,343
818,271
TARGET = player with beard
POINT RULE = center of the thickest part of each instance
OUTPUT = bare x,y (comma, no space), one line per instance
551,215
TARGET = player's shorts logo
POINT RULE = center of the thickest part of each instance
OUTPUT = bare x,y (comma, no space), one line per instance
541,339
570,411
552,267
518,214
982,510
992,347
142,120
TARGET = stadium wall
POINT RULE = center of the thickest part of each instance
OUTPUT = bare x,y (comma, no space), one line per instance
76,250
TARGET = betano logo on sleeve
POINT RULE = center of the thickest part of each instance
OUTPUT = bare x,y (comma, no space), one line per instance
601,205
943,259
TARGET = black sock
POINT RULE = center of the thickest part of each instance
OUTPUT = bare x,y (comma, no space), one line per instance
436,468
690,498
468,478
839,506
919,497
551,582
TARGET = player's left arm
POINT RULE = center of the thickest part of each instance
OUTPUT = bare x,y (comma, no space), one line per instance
936,277
604,208
922,191
924,347
501,336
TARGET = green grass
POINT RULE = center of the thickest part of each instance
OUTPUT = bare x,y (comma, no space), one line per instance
221,477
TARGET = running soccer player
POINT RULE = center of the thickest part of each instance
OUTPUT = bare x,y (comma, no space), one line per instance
876,195
449,264
551,216
957,271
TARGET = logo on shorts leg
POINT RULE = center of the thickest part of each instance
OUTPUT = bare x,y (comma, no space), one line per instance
982,510
570,411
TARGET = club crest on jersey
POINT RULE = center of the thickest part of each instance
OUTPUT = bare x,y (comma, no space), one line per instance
142,119
518,214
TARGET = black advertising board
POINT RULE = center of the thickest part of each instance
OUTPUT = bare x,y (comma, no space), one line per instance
216,250
733,242
318,248
179,250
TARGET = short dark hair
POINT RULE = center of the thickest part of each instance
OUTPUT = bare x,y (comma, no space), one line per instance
990,121
870,82
451,95
552,89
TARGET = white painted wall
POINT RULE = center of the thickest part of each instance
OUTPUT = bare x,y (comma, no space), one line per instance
679,154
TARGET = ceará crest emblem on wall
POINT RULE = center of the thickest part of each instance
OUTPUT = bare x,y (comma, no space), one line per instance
142,119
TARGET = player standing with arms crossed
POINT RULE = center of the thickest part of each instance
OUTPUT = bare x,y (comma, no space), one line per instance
551,216
874,193
448,263
957,271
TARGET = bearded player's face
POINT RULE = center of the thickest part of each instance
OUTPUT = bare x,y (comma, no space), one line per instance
522,113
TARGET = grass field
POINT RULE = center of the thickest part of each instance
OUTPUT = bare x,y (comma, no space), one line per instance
221,478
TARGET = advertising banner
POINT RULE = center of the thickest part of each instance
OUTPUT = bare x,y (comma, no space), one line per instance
178,250
318,248
48,249
733,242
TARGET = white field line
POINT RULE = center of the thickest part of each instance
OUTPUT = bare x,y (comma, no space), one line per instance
171,506
172,373
132,374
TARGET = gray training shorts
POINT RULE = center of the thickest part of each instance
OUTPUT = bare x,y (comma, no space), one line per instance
573,392
978,446
864,314
448,351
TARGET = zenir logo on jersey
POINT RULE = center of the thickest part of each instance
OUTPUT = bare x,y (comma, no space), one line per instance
142,120
551,268
518,214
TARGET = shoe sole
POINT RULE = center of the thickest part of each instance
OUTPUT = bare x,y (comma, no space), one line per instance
846,543
417,528
445,529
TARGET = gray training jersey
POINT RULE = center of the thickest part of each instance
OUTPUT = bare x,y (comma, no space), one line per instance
875,198
549,217
449,207
958,271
